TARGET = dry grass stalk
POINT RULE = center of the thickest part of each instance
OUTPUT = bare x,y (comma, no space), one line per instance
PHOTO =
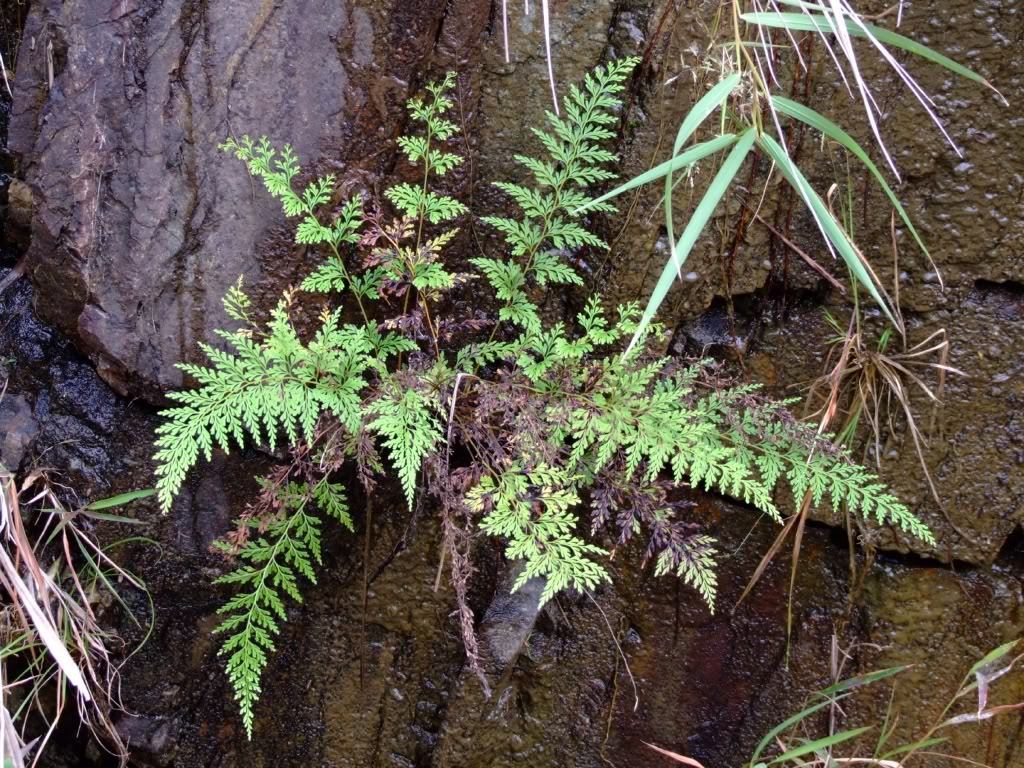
52,641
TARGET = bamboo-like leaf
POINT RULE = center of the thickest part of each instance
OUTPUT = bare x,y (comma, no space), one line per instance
788,723
707,104
823,743
689,157
120,499
694,227
862,680
107,517
983,714
922,744
993,655
829,227
811,22
821,123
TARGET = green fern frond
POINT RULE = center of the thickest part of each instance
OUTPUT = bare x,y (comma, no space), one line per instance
693,561
278,170
646,417
522,312
575,162
410,428
419,202
473,357
387,345
533,511
417,149
237,303
549,269
331,276
262,388
333,501
270,572
506,277
415,202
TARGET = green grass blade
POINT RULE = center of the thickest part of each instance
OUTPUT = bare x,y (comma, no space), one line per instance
822,743
121,498
830,228
788,723
21,642
801,22
821,123
862,680
694,228
993,655
110,518
689,157
923,744
96,567
707,104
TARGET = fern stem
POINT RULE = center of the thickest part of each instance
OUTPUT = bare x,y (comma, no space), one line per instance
426,179
430,325
348,280
419,223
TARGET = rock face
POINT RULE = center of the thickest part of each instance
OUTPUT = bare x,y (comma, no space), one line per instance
17,430
967,208
141,224
932,613
975,453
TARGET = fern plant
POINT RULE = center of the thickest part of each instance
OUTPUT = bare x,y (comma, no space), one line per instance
270,384
573,437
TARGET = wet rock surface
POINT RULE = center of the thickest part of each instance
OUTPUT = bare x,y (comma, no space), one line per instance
509,619
140,225
131,260
975,452
951,620
55,411
387,685
18,429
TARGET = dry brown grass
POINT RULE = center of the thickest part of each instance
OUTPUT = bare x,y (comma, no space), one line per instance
54,653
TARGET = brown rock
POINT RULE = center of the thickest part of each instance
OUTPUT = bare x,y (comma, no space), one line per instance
140,224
